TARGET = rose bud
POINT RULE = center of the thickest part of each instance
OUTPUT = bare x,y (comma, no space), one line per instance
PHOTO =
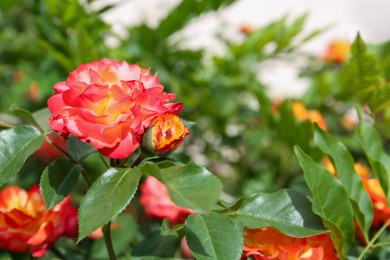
164,135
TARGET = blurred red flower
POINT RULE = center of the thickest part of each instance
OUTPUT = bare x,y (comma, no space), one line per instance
157,202
109,104
26,224
270,244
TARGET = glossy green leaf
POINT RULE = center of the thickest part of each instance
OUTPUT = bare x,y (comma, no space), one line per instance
78,149
330,202
57,181
379,160
23,113
213,236
107,197
157,244
344,164
42,118
16,145
285,210
190,185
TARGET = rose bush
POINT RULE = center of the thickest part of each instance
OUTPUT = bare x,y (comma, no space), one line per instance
25,224
109,104
244,175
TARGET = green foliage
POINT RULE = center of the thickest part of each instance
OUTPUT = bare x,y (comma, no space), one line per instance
157,244
330,202
242,141
115,185
291,214
124,231
213,236
16,145
190,185
78,149
58,180
352,183
379,160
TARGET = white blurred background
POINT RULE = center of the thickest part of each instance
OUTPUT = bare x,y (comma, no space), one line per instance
343,17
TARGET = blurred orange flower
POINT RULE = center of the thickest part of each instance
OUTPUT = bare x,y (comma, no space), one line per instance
328,165
25,224
247,29
270,244
165,134
157,202
337,51
378,197
302,114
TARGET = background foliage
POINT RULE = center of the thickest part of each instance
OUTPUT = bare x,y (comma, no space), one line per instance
241,135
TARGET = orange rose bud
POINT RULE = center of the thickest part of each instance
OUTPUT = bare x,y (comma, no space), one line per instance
164,135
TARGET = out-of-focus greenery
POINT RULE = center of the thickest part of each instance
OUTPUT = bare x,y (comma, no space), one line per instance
235,129
241,134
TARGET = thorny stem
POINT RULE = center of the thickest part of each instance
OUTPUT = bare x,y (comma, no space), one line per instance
372,241
107,239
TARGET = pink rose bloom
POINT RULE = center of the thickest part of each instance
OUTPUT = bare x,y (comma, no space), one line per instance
157,202
109,104
26,224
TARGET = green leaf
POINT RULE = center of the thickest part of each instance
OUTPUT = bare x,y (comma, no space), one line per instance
285,210
213,236
190,185
79,149
42,118
330,202
379,160
16,145
157,244
106,198
25,114
351,181
184,12
57,181
361,76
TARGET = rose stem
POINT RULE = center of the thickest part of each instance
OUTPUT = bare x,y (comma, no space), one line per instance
372,241
107,239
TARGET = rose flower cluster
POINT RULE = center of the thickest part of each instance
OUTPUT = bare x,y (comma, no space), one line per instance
110,105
